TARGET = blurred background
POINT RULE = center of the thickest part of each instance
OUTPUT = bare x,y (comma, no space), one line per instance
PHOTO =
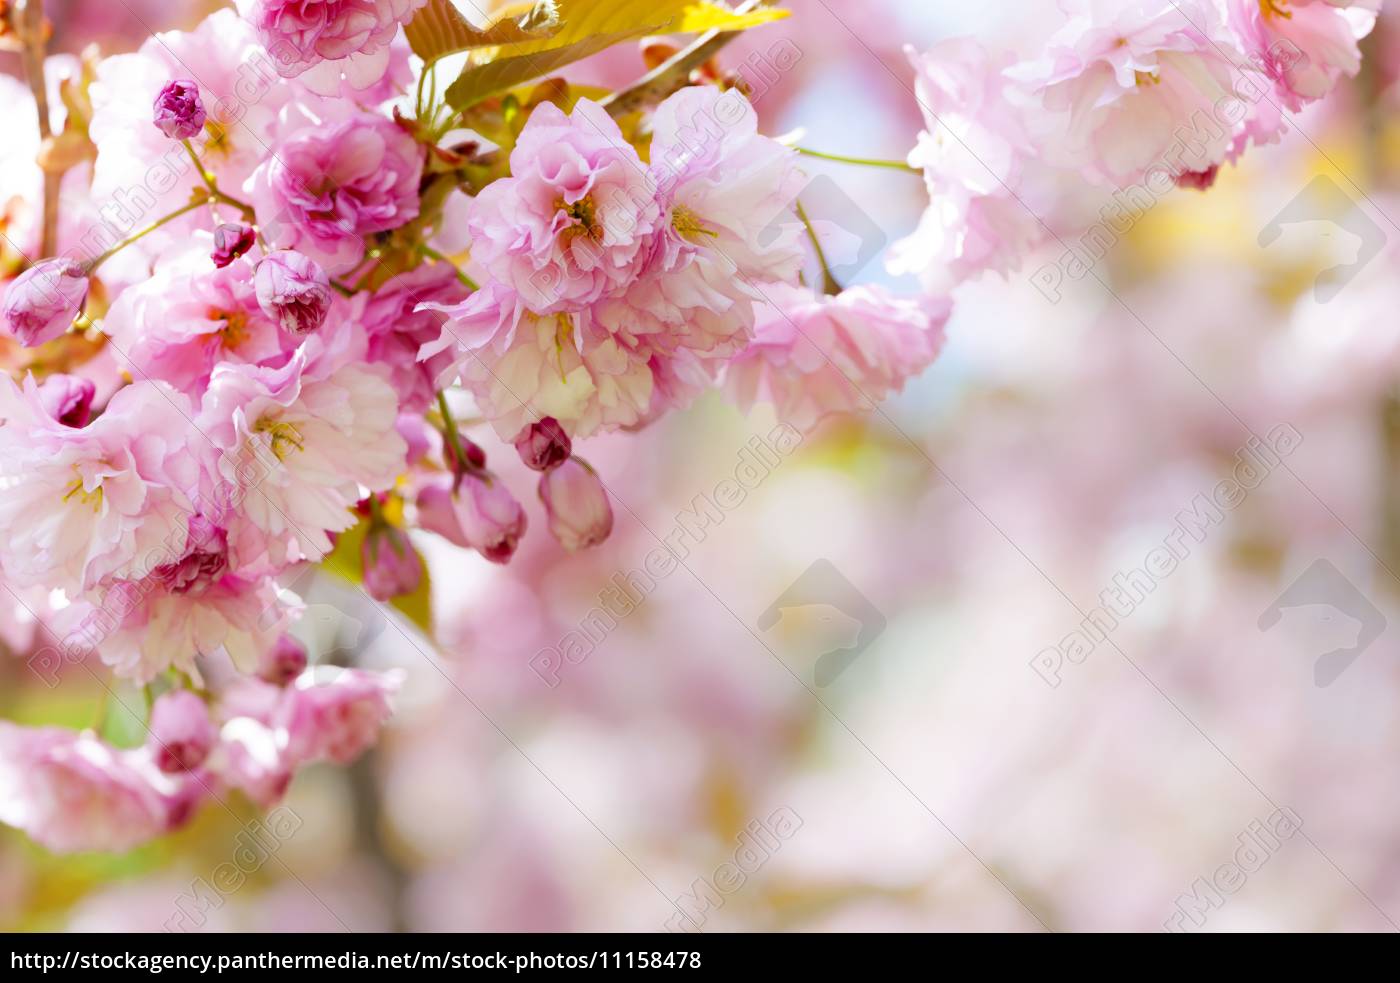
975,766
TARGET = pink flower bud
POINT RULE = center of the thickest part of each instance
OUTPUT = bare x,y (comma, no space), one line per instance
577,505
482,515
182,734
391,565
283,662
543,446
42,301
231,242
472,451
179,112
68,398
293,290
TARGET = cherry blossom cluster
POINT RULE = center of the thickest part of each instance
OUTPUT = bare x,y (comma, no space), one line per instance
1146,94
279,269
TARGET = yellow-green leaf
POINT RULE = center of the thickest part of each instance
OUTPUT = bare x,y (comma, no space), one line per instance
587,27
477,83
439,29
704,16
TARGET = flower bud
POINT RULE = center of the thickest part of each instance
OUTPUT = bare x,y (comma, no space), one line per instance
391,565
68,399
42,301
293,290
543,446
230,242
472,451
283,662
577,505
179,112
482,515
182,734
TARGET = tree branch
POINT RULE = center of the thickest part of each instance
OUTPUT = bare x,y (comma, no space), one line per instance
29,28
673,73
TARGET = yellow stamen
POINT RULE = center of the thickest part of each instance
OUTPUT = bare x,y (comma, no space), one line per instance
1275,8
235,329
218,142
283,437
687,223
1147,78
563,335
93,498
584,215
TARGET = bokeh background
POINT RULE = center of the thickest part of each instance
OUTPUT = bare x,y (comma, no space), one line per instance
940,782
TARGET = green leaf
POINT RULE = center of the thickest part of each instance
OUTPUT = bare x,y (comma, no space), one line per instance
587,27
344,562
438,29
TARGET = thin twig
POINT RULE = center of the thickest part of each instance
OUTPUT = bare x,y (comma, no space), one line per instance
673,73
29,25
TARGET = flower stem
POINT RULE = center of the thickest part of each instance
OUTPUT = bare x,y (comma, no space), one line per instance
94,264
454,439
99,723
896,165
829,284
203,171
433,254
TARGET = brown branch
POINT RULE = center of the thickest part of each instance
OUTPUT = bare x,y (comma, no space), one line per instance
30,30
673,73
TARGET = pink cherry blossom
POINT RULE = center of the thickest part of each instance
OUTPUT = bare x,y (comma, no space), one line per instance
396,331
320,434
88,505
1128,81
73,792
142,628
1303,46
304,34
330,186
188,318
812,356
251,757
575,218
728,190
979,168
338,718
140,174
521,366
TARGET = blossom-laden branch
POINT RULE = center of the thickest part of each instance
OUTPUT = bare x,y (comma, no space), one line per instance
575,263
